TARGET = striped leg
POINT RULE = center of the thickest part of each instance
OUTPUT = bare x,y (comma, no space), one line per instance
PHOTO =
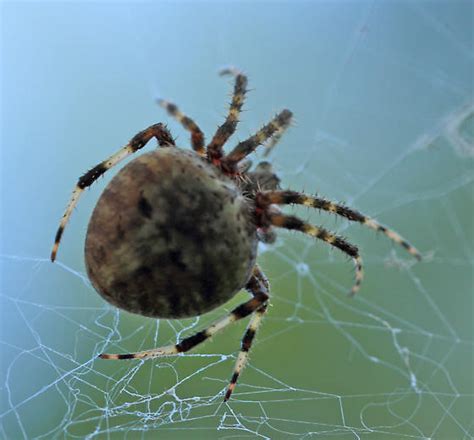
257,286
270,145
158,131
254,286
197,136
248,146
215,147
293,197
292,222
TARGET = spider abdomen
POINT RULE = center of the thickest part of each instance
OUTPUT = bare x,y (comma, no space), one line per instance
170,237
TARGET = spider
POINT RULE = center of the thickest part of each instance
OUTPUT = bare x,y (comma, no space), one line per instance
175,232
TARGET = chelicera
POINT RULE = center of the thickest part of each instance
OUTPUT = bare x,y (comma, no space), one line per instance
175,232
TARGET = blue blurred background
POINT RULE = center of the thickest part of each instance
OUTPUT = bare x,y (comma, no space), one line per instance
383,98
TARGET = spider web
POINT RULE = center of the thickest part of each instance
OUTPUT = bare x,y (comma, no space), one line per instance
384,101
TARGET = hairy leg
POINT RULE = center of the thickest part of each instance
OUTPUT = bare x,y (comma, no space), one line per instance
294,223
158,131
248,146
215,147
257,285
293,197
270,145
197,136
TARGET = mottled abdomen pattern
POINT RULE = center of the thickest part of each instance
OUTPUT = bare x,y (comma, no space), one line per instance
170,237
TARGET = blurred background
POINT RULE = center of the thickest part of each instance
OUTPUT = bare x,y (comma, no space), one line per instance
382,94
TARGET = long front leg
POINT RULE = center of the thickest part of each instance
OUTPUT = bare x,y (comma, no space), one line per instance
158,131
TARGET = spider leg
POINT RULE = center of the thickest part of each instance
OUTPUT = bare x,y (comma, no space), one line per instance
293,197
292,222
270,145
158,131
197,136
215,147
248,146
257,284
258,287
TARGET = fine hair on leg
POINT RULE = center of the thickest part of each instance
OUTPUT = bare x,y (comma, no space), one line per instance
296,198
248,146
197,136
158,131
225,131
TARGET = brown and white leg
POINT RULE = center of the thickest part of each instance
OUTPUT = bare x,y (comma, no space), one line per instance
256,285
197,136
294,223
270,145
192,341
248,146
293,197
215,147
158,131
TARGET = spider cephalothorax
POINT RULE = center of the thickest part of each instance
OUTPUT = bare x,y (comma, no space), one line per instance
175,232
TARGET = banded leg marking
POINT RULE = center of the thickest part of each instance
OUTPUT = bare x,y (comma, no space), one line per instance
270,145
258,284
293,197
248,146
158,131
294,223
215,147
197,136
192,341
243,355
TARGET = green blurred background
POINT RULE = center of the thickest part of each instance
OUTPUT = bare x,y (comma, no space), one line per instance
383,98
